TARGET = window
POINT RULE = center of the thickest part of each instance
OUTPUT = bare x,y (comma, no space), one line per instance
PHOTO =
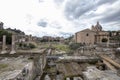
104,40
87,34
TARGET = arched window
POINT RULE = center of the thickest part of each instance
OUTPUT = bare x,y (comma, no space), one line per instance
104,40
87,34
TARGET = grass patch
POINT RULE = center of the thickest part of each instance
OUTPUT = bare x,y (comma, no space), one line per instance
3,66
61,47
44,45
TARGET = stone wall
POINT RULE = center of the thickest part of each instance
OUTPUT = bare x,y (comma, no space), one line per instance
87,37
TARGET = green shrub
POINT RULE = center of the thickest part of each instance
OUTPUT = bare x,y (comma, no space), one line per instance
75,46
27,46
32,45
20,44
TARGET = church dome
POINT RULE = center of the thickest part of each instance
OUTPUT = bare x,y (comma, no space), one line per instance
98,27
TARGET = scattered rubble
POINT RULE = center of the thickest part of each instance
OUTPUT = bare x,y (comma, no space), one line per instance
19,67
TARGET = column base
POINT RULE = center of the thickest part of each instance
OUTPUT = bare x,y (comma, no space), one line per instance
12,52
3,52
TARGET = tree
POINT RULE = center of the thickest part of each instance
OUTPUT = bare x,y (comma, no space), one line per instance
8,36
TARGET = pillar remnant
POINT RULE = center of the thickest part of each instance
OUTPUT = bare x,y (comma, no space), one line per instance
4,45
13,45
108,42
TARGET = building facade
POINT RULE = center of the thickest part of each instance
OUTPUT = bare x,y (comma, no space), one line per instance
92,36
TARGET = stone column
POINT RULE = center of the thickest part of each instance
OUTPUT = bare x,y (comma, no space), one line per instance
4,45
13,45
108,42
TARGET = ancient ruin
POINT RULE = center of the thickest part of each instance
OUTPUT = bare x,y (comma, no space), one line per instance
4,45
60,40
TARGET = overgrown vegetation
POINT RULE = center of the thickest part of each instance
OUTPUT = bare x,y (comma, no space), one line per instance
26,45
67,48
75,46
32,45
61,47
8,36
69,40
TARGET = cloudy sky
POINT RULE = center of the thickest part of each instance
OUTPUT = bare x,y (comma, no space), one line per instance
59,17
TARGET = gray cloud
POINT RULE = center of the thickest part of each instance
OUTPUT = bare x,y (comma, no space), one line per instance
74,9
100,2
115,16
42,23
77,8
